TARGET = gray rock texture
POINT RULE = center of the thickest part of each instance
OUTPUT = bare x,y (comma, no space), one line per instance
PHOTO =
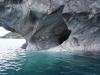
54,24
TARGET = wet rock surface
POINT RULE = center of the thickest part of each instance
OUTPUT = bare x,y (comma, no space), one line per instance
53,24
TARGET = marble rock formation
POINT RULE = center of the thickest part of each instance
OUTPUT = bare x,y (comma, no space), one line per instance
53,24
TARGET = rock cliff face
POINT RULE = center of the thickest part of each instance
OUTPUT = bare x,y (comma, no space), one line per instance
53,24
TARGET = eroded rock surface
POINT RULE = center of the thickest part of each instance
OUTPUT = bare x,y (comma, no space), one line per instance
54,24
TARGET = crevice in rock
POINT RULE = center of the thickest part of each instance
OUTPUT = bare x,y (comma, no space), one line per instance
12,1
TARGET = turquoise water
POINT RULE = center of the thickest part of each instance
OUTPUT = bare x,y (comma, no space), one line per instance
16,61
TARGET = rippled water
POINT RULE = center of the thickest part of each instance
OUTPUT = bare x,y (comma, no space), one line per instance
16,61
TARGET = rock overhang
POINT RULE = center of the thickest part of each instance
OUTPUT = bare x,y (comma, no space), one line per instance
34,18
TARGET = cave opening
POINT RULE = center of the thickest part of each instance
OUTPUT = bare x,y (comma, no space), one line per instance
51,35
64,36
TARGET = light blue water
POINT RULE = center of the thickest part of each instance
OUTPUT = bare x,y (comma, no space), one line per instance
16,61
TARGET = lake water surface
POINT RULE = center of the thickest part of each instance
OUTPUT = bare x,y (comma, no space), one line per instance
17,61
